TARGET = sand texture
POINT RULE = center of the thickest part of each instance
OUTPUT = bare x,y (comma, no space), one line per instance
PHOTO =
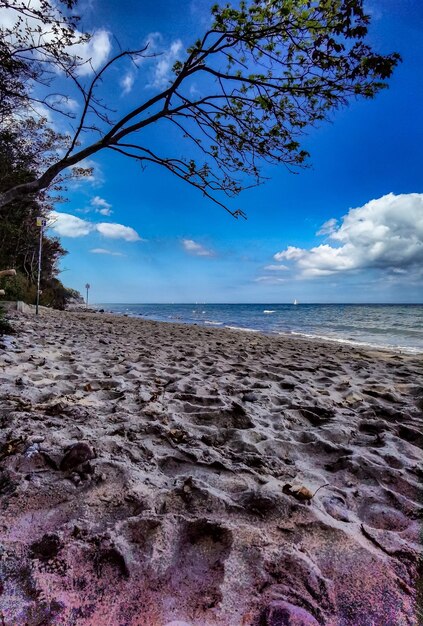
155,474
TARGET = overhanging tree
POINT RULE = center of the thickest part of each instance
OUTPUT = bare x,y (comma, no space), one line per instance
267,70
37,39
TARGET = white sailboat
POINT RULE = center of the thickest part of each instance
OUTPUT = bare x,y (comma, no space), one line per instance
295,301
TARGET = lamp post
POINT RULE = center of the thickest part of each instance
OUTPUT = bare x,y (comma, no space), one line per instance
87,286
41,223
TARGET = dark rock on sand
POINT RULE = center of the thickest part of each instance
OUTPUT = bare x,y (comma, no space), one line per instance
75,455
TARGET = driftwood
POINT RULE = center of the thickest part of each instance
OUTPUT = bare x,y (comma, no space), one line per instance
7,273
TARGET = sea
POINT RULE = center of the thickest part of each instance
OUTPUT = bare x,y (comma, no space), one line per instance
392,326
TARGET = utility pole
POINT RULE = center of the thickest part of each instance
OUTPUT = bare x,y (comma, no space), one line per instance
41,223
87,286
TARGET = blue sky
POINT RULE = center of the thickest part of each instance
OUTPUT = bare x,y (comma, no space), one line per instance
364,183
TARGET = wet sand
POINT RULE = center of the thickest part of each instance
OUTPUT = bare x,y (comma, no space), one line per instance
155,474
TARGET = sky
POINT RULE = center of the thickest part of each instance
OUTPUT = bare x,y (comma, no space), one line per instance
349,228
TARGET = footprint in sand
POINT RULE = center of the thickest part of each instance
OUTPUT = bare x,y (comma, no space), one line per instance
198,567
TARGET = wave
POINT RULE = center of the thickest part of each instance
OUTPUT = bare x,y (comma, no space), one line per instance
213,323
268,311
247,330
354,342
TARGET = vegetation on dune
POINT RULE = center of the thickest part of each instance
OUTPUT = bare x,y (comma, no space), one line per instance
5,326
19,234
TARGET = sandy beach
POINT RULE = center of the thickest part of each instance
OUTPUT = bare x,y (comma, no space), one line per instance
155,474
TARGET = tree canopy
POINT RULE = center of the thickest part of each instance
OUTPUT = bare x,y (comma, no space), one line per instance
268,70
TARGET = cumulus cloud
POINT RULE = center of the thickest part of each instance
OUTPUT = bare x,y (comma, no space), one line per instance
101,206
290,254
328,227
384,234
192,247
162,72
68,225
105,251
92,54
117,231
127,82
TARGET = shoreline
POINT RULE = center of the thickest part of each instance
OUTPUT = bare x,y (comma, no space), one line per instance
287,333
158,472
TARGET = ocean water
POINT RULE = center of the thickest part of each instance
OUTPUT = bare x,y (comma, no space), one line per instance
394,326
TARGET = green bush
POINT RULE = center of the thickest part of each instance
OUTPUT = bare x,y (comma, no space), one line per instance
18,288
5,327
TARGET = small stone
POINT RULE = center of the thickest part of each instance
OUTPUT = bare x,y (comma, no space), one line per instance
249,397
77,454
37,439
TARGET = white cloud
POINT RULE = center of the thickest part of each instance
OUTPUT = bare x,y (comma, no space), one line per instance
276,268
384,234
127,82
68,225
93,53
328,227
162,72
290,254
192,247
270,280
105,251
117,231
101,206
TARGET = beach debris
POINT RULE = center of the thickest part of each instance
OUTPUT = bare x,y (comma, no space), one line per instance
300,492
76,455
317,416
13,446
32,450
179,435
